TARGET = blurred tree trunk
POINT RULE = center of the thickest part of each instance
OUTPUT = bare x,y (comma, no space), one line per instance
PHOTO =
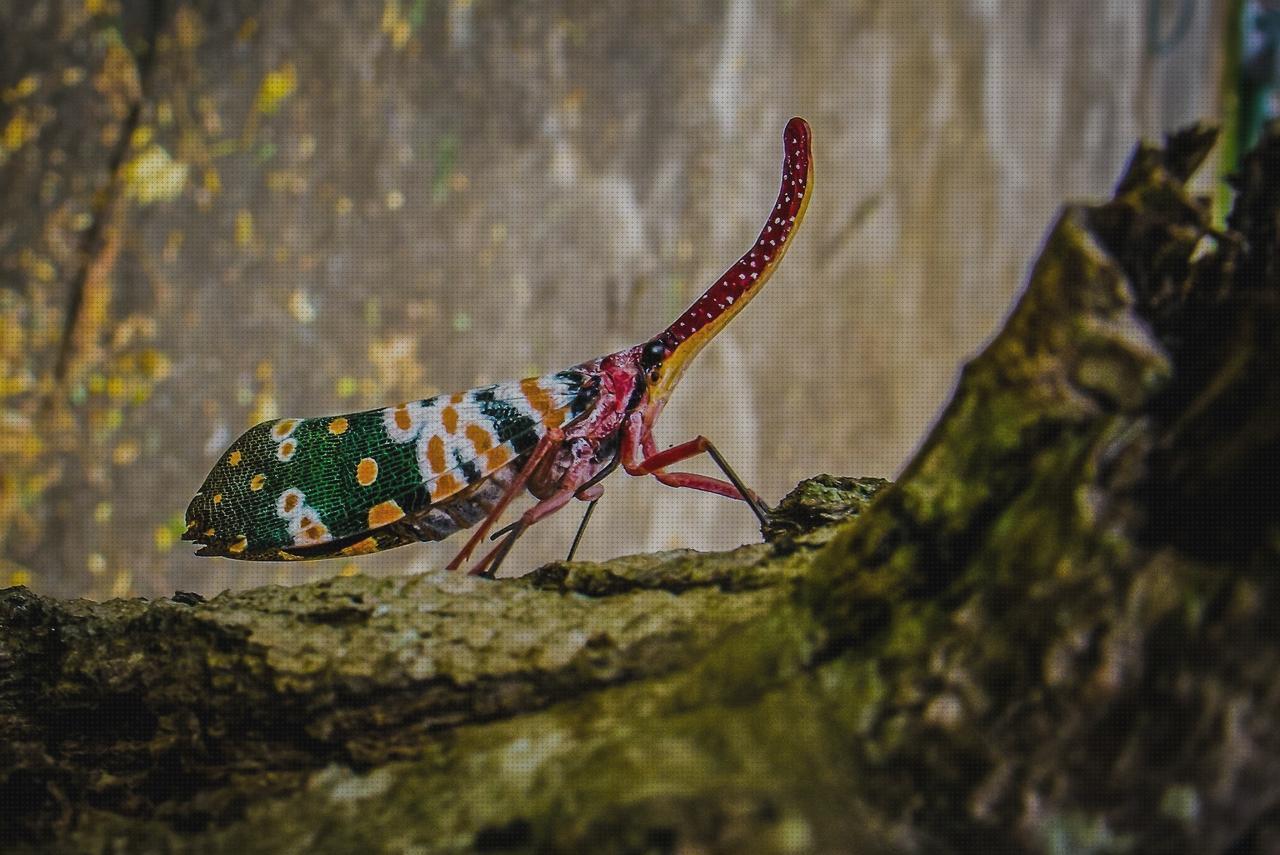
1053,633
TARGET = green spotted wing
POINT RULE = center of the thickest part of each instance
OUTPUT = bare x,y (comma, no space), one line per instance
313,488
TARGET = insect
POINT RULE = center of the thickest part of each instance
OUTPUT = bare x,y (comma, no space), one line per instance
366,482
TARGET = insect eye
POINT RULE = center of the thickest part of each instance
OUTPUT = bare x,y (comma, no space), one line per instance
651,358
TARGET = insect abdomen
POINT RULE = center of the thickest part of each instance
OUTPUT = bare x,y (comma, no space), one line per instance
464,509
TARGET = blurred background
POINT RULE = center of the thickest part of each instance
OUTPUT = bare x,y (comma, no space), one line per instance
214,212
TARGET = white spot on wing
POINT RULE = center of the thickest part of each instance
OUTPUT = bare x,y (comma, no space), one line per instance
416,413
299,502
306,535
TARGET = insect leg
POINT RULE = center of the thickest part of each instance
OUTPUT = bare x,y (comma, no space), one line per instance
488,565
549,441
655,461
713,485
506,529
582,527
591,492
586,493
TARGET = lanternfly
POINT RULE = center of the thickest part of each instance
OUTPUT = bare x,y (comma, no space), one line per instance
365,482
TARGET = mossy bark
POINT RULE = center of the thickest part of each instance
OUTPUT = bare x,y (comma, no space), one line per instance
1052,633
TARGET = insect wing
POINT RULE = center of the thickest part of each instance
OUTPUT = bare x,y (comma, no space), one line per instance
310,488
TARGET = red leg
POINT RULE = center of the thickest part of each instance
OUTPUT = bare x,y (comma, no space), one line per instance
549,441
654,461
694,481
661,459
577,478
591,494
543,509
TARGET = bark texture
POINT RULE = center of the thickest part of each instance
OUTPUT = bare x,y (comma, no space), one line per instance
1053,633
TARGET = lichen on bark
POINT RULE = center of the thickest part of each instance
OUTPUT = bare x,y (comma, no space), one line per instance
1046,635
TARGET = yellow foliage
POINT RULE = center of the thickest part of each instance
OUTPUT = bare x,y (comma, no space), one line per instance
154,364
141,136
118,77
18,131
395,25
126,453
18,439
154,176
187,27
244,228
36,265
275,88
23,88
16,384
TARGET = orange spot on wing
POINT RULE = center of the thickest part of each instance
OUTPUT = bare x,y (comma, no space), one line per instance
368,546
286,450
540,400
456,397
208,532
235,458
498,457
241,544
288,556
366,472
338,426
315,532
402,418
217,498
446,485
383,513
435,453
480,438
290,502
257,482
283,428
449,418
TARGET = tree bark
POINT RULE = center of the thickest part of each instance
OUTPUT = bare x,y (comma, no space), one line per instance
1052,633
